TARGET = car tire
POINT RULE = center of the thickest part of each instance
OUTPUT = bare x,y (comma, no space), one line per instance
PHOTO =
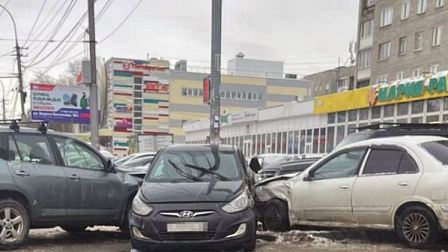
74,229
18,220
124,227
275,216
417,227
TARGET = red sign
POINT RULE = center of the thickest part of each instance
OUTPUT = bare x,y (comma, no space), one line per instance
156,87
206,89
129,65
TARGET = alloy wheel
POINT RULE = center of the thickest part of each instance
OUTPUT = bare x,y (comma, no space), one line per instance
416,228
11,223
272,218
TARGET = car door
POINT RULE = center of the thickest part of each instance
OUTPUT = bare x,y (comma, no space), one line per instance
94,193
37,172
389,176
325,195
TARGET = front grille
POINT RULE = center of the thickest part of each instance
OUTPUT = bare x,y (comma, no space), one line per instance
187,236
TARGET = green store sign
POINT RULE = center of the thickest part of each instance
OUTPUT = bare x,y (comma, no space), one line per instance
437,85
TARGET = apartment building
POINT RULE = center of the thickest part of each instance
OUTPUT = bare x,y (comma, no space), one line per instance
331,81
400,39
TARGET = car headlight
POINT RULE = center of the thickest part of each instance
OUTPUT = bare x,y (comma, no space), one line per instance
238,204
139,207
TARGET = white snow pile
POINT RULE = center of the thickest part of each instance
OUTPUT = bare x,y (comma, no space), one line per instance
310,238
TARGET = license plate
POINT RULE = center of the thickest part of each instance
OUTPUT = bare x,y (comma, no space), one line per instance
187,227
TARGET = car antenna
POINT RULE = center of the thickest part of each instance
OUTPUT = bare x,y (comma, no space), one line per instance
14,126
42,128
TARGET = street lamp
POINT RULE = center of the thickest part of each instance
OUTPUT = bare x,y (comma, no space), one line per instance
19,62
3,101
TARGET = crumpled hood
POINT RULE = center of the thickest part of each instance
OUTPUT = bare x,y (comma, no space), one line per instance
222,191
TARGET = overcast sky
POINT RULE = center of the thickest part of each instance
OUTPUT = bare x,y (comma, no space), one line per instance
308,35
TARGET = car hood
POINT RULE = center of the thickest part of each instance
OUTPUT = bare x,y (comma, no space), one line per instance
220,191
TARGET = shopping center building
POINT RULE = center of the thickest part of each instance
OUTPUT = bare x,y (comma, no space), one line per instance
316,127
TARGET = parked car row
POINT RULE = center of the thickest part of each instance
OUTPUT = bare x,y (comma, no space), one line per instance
396,180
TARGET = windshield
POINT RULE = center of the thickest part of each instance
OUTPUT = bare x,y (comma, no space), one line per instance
194,166
438,150
353,138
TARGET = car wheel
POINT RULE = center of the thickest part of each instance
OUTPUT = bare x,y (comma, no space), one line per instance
14,223
125,224
74,229
417,227
275,216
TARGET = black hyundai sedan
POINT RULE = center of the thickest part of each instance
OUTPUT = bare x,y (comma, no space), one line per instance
195,196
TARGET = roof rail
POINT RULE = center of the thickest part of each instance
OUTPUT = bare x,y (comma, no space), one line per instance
406,126
14,125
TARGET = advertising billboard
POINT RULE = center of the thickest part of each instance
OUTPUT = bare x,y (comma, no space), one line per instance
60,103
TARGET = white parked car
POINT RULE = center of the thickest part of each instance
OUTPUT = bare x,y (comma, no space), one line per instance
397,183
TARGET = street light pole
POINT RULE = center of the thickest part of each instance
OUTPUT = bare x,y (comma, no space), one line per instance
19,64
3,101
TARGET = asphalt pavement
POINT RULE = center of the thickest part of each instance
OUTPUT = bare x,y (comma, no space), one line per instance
110,239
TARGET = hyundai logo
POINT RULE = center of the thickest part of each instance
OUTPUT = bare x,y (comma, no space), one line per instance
186,214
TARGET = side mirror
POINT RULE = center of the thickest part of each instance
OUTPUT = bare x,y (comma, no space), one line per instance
308,176
110,166
140,183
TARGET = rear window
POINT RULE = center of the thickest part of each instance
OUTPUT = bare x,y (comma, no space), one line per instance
438,149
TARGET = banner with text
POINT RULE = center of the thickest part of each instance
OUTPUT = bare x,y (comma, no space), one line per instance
60,103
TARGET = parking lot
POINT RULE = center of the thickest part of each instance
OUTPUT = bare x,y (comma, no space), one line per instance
102,239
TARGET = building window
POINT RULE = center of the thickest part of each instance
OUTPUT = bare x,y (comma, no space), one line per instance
376,112
437,36
249,96
386,17
244,96
400,76
402,46
382,79
418,41
341,117
432,119
417,107
367,29
342,85
138,80
434,69
352,115
238,95
440,3
433,105
405,9
363,114
370,3
364,59
389,110
233,95
402,109
138,94
331,117
384,51
421,8
416,72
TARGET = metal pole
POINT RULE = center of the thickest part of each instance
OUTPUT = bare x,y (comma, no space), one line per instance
3,101
215,76
94,117
19,64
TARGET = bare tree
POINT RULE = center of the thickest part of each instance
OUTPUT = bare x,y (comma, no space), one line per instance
42,78
68,78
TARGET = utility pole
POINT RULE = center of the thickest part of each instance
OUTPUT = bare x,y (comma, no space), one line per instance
3,101
215,77
94,117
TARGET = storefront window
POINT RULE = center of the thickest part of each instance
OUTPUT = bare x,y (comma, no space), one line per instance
389,111
376,112
341,117
241,142
330,139
268,143
254,144
296,142
416,120
363,124
352,115
402,109
322,140
363,114
351,129
273,142
433,105
340,134
432,119
279,142
263,144
403,120
445,119
331,118
417,107
290,142
316,141
302,141
445,103
284,140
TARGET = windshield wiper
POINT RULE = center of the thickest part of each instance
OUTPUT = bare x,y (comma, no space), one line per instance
204,170
184,174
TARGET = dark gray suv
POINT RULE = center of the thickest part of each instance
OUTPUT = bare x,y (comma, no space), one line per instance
48,180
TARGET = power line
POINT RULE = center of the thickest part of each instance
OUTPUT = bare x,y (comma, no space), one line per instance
6,5
35,22
119,26
45,40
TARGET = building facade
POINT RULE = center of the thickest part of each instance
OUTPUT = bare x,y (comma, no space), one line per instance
336,80
401,39
145,97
